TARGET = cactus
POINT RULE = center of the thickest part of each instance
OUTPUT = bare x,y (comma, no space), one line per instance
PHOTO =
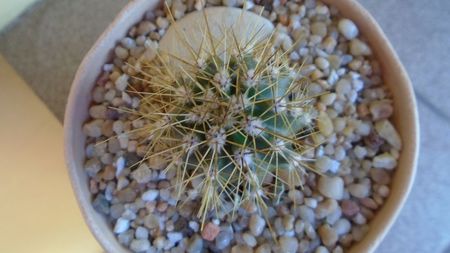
234,123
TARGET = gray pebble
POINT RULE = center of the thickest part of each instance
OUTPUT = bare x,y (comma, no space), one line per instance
139,245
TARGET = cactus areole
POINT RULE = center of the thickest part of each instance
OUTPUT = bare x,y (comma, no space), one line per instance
232,118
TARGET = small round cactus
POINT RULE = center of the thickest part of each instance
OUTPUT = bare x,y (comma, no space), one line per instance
232,125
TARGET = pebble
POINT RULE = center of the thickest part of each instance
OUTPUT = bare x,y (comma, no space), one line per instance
224,238
380,110
326,207
141,233
142,174
383,191
121,226
249,239
321,249
331,187
307,214
150,195
349,208
325,124
139,245
159,242
122,82
311,202
121,52
322,63
256,224
288,244
380,176
98,111
162,23
384,161
241,249
125,238
328,99
92,167
295,196
264,248
347,28
328,235
359,48
194,226
101,204
174,237
210,231
145,27
359,190
342,226
387,131
152,221
319,28
325,164
93,128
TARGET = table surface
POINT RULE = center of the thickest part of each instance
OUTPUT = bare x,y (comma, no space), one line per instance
47,43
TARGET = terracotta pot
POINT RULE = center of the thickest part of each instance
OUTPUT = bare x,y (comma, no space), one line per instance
405,119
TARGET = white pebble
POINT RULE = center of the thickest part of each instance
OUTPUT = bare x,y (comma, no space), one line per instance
321,249
311,202
359,190
332,187
150,195
121,226
359,48
256,224
162,23
348,29
141,233
194,226
324,123
342,226
175,237
140,245
384,161
328,235
328,99
288,244
383,191
360,152
325,164
122,82
142,174
121,52
387,131
249,239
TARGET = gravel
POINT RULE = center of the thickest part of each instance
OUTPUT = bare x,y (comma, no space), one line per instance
357,145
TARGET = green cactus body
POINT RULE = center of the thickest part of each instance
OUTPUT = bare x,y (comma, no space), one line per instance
236,122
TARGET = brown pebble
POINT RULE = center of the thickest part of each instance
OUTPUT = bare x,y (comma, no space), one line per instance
162,206
93,188
369,203
150,206
349,208
362,110
284,19
103,78
380,176
107,128
108,173
373,140
210,231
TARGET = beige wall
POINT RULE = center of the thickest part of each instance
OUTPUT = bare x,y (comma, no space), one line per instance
10,9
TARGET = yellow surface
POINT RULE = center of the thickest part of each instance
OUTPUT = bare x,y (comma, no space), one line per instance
38,211
9,9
